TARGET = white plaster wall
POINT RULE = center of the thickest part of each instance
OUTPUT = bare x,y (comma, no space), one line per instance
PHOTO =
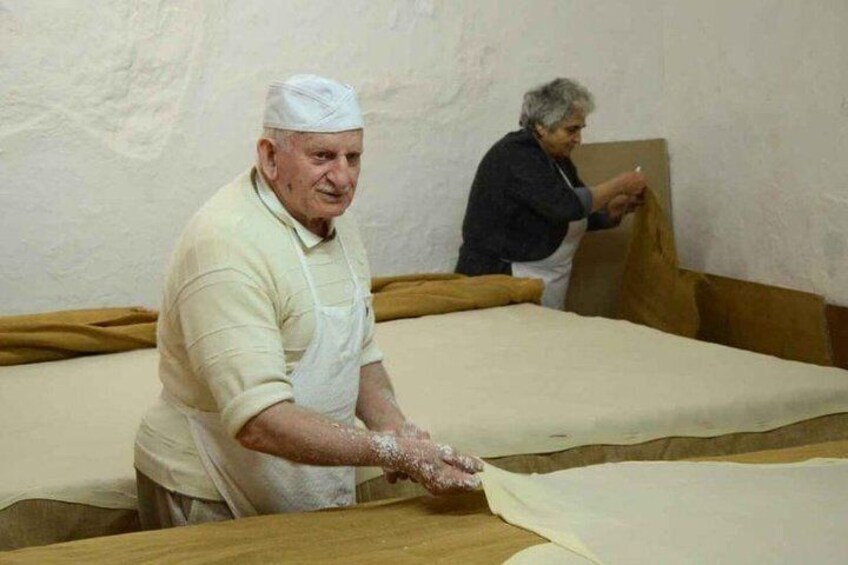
756,106
118,118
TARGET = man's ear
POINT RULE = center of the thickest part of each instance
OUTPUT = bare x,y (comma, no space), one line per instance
266,151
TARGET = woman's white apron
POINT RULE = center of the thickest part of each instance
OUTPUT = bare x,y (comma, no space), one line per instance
555,270
325,380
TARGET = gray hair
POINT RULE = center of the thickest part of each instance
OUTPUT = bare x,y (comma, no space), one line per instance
281,136
554,102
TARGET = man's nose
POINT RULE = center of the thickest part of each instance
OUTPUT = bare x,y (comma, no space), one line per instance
341,174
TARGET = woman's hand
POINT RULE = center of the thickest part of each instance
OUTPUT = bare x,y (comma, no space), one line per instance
631,183
622,205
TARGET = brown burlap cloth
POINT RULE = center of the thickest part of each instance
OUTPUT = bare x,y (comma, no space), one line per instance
655,292
61,335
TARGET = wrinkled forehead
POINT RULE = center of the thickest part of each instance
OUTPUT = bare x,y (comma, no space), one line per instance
343,141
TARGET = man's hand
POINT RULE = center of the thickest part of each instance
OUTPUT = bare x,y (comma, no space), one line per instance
439,468
407,430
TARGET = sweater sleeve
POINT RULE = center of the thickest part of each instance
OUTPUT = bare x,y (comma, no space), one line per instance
601,220
531,179
233,344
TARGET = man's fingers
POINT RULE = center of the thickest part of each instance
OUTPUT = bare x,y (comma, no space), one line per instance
452,481
466,463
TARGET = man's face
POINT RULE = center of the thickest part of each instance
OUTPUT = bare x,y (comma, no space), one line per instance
317,175
561,141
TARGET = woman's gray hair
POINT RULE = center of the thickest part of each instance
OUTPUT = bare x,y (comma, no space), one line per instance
554,102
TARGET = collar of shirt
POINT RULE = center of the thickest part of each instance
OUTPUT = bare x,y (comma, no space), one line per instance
307,238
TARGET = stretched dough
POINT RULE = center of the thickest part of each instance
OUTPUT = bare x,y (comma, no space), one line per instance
680,512
546,554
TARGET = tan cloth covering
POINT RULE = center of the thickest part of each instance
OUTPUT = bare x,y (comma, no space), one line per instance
421,295
60,335
600,260
786,323
65,334
420,530
837,325
654,290
778,321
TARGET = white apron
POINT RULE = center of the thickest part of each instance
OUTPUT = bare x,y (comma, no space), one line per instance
325,380
555,269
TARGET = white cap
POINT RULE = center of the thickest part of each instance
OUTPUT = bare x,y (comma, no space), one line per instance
312,103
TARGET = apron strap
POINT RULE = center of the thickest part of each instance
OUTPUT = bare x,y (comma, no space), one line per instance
564,176
357,290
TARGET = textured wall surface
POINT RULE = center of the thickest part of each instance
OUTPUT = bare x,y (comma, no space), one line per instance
756,103
118,118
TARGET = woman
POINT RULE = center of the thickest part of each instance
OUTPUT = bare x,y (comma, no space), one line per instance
528,208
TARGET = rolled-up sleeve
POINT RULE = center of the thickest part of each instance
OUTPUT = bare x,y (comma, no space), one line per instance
233,343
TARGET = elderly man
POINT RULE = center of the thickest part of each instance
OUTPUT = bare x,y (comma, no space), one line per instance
266,338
